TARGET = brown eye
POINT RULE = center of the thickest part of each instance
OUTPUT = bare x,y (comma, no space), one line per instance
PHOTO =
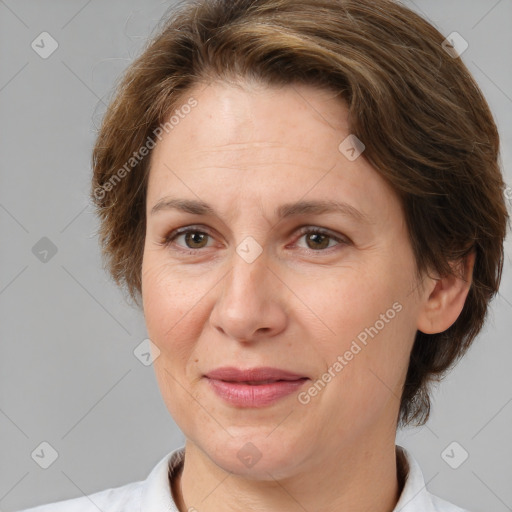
195,239
317,240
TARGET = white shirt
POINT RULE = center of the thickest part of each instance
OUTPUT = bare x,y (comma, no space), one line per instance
154,494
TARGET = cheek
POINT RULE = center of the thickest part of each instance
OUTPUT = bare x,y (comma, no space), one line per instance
372,316
169,309
367,380
170,306
350,302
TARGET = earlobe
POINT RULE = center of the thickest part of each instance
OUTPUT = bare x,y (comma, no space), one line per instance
443,305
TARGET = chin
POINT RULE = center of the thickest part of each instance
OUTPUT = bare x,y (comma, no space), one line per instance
255,454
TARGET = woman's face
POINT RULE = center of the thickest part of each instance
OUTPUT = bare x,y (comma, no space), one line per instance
251,286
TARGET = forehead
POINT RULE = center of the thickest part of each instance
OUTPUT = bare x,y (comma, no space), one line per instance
252,141
247,116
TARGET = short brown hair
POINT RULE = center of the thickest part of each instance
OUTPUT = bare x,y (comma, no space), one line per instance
426,126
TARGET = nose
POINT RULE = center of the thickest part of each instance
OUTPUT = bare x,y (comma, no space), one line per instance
251,302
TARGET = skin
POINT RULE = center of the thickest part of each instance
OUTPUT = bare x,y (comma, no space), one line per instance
246,149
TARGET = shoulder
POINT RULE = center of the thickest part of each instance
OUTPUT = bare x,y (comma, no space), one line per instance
441,505
126,498
154,493
415,496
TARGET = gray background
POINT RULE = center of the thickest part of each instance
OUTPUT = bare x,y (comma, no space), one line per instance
68,373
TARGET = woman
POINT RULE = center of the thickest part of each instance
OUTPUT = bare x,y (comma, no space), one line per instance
304,197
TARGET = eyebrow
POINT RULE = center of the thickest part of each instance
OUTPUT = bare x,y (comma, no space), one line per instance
196,207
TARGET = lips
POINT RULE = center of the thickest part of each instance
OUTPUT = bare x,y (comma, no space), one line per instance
253,376
253,387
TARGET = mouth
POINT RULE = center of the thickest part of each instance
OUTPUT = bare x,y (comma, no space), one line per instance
256,387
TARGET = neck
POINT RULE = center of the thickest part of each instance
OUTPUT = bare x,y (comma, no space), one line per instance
360,480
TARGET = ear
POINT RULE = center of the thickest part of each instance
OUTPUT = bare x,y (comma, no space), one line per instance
444,303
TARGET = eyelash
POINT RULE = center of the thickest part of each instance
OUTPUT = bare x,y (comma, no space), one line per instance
169,239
